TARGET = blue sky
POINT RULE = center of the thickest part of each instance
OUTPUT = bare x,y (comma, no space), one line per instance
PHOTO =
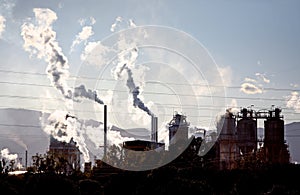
255,43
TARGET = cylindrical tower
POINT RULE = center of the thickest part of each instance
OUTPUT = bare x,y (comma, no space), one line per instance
274,144
247,132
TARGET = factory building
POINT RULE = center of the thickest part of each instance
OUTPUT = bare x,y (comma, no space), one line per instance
146,145
67,151
178,129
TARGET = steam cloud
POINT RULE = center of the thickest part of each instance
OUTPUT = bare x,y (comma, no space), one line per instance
85,33
66,128
40,40
133,89
7,156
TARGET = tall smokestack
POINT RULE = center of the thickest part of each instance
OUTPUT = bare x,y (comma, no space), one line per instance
26,154
105,129
154,128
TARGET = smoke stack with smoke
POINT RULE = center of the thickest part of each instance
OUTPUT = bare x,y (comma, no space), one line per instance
64,127
125,64
40,40
137,102
6,155
89,94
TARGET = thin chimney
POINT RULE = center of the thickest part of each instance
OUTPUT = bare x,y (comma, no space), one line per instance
26,154
154,128
105,129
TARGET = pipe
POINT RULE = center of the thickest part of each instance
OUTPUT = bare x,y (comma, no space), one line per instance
26,154
105,129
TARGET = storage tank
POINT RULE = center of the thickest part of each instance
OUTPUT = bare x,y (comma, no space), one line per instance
247,131
275,148
274,127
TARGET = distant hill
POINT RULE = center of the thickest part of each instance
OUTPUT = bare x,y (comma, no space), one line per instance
293,141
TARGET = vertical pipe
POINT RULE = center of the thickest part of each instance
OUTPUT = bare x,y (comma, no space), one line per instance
105,129
155,128
152,127
26,154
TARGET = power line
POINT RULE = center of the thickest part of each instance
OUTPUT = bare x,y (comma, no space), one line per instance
169,83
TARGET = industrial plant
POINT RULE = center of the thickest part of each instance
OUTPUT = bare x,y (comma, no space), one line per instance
234,143
238,139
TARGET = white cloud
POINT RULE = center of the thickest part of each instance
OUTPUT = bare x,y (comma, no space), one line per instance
93,20
247,79
81,21
118,20
2,25
293,101
86,32
263,77
250,88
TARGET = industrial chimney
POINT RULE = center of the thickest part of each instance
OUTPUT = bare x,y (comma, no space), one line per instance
105,129
154,136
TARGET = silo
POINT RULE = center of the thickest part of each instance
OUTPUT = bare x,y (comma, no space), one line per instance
274,128
274,144
247,131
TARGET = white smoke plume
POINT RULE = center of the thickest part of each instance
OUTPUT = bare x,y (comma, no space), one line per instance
2,25
293,101
64,127
7,156
81,91
233,106
40,40
137,102
129,61
94,53
86,32
19,141
250,88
